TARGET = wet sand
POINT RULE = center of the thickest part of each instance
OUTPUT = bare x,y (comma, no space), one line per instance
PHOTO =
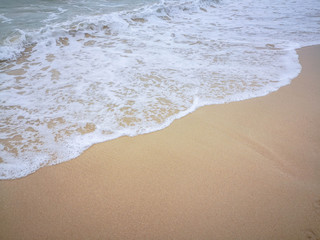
244,170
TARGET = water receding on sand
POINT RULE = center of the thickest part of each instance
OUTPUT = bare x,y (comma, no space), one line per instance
78,77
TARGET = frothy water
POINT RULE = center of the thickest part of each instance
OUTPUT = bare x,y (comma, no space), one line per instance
74,73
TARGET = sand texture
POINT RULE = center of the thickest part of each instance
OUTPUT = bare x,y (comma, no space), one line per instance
244,170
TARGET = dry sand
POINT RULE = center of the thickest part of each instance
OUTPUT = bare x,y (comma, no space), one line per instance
244,170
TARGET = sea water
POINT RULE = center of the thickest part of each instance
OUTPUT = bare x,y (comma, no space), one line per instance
77,72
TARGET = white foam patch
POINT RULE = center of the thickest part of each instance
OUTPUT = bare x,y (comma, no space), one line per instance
4,19
54,15
96,78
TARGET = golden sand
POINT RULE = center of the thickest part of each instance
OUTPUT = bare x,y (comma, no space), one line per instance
244,170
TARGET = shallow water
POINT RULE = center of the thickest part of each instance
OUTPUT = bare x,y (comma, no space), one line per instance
74,73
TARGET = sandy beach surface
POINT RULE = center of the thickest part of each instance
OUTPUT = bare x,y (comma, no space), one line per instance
244,170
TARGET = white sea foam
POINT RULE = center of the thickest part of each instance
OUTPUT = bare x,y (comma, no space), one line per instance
54,15
96,77
4,19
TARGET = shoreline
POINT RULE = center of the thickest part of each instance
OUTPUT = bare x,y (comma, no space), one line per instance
194,107
242,170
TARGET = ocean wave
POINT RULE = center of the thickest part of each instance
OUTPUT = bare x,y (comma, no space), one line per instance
14,43
93,78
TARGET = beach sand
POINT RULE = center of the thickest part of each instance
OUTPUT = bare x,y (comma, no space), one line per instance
244,170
